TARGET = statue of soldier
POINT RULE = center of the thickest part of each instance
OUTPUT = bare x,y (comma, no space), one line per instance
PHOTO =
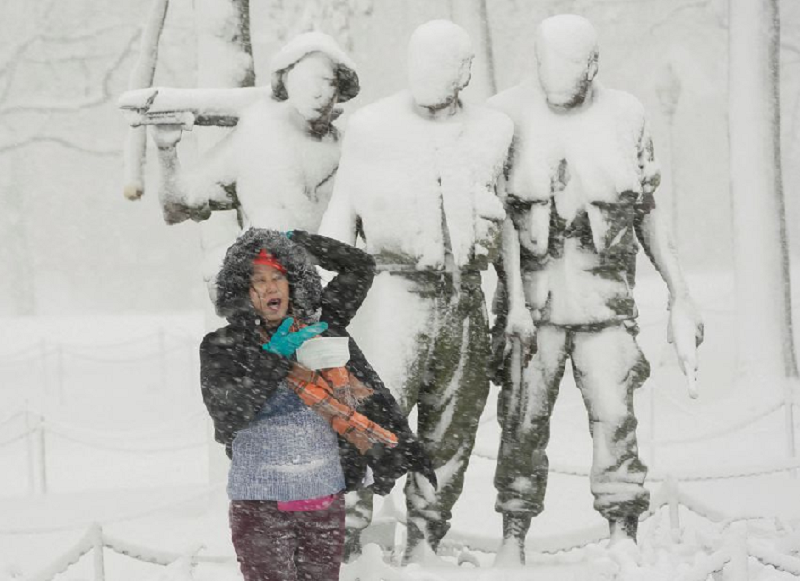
277,164
580,189
418,183
276,167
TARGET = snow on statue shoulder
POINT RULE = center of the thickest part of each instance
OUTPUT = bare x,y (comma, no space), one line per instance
601,144
284,181
399,170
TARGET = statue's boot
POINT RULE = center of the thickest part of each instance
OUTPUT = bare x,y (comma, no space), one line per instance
515,529
352,545
624,528
421,546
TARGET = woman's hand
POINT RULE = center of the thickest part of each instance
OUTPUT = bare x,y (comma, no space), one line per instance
285,342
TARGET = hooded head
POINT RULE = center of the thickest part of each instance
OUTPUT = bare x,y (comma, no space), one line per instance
234,280
313,74
439,63
566,55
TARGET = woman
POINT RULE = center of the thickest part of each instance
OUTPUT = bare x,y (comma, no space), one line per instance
289,470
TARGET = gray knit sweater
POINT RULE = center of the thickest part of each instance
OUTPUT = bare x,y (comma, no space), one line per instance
288,452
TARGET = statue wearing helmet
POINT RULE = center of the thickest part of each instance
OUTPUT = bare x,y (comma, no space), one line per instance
419,184
581,186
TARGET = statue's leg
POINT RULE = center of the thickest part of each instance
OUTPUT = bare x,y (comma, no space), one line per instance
391,330
452,396
525,404
358,515
609,366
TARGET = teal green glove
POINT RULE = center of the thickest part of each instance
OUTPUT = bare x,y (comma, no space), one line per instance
285,343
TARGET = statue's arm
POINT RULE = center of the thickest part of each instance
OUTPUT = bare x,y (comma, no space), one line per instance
656,238
341,220
194,192
520,320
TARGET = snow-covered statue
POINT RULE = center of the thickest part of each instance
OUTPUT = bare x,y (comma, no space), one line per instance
277,165
580,190
418,184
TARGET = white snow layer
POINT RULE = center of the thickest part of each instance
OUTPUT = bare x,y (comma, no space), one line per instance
304,44
569,36
601,143
439,57
158,497
228,102
282,176
577,158
400,173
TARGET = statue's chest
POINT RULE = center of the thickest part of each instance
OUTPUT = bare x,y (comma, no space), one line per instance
575,158
316,162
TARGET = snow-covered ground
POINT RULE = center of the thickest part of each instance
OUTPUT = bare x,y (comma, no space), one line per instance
125,447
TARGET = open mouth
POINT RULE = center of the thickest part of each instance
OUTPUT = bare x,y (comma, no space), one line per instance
274,304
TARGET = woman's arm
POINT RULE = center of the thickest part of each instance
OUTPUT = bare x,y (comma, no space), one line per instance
355,271
388,464
236,380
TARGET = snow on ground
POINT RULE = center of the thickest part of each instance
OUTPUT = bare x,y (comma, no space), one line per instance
125,447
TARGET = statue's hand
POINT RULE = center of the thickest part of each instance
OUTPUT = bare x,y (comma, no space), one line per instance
683,314
520,328
177,212
685,331
166,136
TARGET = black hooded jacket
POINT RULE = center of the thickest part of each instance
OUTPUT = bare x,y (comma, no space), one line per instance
238,376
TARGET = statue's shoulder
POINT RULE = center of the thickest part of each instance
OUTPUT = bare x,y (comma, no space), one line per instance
494,124
513,100
262,114
625,105
488,114
381,115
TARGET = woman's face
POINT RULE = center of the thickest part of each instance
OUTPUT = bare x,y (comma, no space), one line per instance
269,293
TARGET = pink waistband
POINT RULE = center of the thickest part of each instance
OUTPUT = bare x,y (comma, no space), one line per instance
320,503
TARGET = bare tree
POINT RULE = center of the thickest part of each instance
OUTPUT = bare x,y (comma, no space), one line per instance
51,74
28,119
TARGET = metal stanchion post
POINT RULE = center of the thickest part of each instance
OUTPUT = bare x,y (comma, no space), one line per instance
29,448
43,350
788,407
652,425
674,507
190,377
60,372
737,568
42,456
162,358
99,561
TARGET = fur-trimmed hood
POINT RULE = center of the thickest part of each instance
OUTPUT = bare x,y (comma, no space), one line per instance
233,281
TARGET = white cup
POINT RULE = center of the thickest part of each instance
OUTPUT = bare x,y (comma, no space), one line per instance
324,352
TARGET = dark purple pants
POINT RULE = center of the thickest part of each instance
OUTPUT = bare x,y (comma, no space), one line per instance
273,545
